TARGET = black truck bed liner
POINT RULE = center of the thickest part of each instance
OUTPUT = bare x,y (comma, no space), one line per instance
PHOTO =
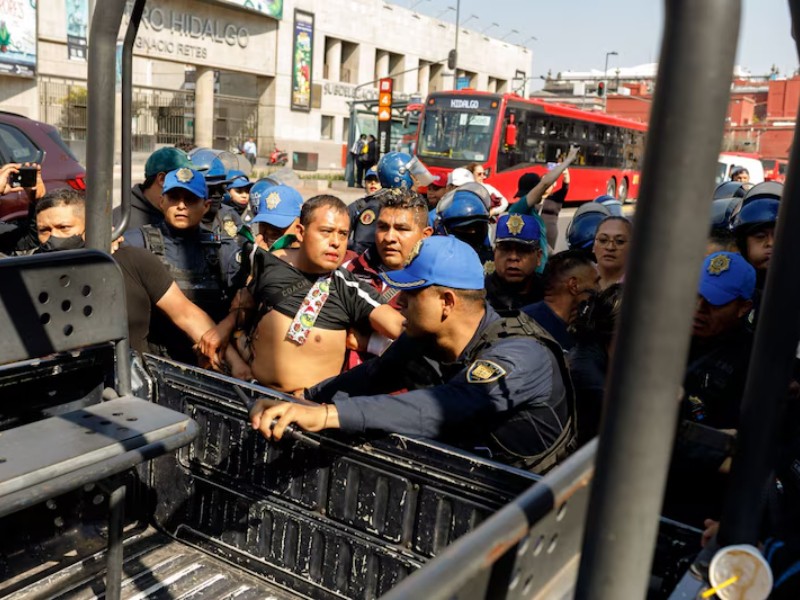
156,567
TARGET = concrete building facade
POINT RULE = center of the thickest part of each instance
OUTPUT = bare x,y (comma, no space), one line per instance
213,73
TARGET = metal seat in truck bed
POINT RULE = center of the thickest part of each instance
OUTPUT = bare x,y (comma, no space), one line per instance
52,307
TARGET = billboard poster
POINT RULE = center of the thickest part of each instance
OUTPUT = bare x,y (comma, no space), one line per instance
302,52
18,37
270,8
77,25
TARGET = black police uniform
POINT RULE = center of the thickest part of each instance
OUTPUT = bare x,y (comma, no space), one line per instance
508,393
225,222
713,389
504,296
363,215
206,268
142,212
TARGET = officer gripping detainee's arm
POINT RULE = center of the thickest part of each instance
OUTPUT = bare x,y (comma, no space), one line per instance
468,377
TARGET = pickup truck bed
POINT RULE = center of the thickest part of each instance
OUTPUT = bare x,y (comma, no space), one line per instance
156,567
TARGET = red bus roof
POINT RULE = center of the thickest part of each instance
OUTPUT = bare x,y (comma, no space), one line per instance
560,110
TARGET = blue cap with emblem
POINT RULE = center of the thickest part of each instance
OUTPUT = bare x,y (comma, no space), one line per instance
439,260
188,179
523,229
372,173
238,180
726,276
278,205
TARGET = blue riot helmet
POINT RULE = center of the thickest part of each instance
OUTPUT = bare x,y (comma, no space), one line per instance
722,209
583,226
732,189
613,205
214,164
758,208
464,215
401,170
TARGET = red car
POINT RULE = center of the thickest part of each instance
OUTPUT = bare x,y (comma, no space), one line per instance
23,140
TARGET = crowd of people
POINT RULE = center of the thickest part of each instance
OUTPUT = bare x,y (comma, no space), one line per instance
445,315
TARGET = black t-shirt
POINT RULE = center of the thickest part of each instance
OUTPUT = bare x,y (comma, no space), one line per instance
146,281
280,286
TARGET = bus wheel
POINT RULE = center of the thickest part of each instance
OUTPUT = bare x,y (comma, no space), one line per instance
622,192
611,187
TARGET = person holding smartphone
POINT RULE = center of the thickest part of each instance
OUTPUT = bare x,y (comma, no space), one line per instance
25,180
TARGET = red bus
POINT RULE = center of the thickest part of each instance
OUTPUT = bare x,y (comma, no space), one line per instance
510,136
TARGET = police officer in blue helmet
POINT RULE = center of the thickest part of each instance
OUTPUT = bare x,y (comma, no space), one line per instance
753,224
215,165
583,226
613,205
459,373
396,170
463,214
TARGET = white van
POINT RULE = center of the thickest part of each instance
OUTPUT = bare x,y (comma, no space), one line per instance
727,162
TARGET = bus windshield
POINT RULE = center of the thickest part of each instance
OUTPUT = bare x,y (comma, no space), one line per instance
457,135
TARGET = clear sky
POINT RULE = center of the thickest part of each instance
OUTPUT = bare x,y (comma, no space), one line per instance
576,34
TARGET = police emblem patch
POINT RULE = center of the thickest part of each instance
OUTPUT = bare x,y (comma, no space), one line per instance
488,267
184,175
515,224
230,228
413,254
719,264
273,200
367,217
485,371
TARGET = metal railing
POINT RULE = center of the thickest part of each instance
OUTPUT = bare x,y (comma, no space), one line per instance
63,103
160,116
235,119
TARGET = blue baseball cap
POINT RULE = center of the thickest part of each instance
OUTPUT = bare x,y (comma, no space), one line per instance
238,180
278,205
439,260
187,179
726,276
372,173
523,229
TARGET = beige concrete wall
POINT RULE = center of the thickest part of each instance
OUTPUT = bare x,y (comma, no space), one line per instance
19,95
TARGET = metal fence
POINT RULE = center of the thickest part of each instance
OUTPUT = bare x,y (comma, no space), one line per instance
158,116
62,103
235,119
161,117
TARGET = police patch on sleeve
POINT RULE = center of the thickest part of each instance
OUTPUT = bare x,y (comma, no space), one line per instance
485,371
367,217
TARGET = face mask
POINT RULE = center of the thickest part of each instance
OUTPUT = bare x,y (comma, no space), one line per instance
54,244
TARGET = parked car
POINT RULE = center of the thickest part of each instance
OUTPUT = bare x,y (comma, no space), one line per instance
26,140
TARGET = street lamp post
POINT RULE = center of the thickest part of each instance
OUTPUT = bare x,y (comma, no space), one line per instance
455,62
490,26
512,32
468,19
605,79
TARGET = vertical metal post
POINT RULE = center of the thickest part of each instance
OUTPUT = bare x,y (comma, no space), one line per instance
116,505
127,101
101,108
770,365
641,411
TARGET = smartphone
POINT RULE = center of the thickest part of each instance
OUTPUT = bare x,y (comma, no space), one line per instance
26,178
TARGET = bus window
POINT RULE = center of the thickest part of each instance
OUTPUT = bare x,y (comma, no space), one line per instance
464,135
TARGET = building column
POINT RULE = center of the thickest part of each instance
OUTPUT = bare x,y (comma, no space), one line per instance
333,59
382,64
204,107
266,115
423,77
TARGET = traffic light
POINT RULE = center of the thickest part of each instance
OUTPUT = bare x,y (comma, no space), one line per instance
451,59
601,89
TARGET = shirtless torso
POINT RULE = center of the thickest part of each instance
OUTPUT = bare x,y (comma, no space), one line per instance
283,364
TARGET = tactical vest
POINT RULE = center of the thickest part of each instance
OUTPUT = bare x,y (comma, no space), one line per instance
520,325
204,288
408,370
